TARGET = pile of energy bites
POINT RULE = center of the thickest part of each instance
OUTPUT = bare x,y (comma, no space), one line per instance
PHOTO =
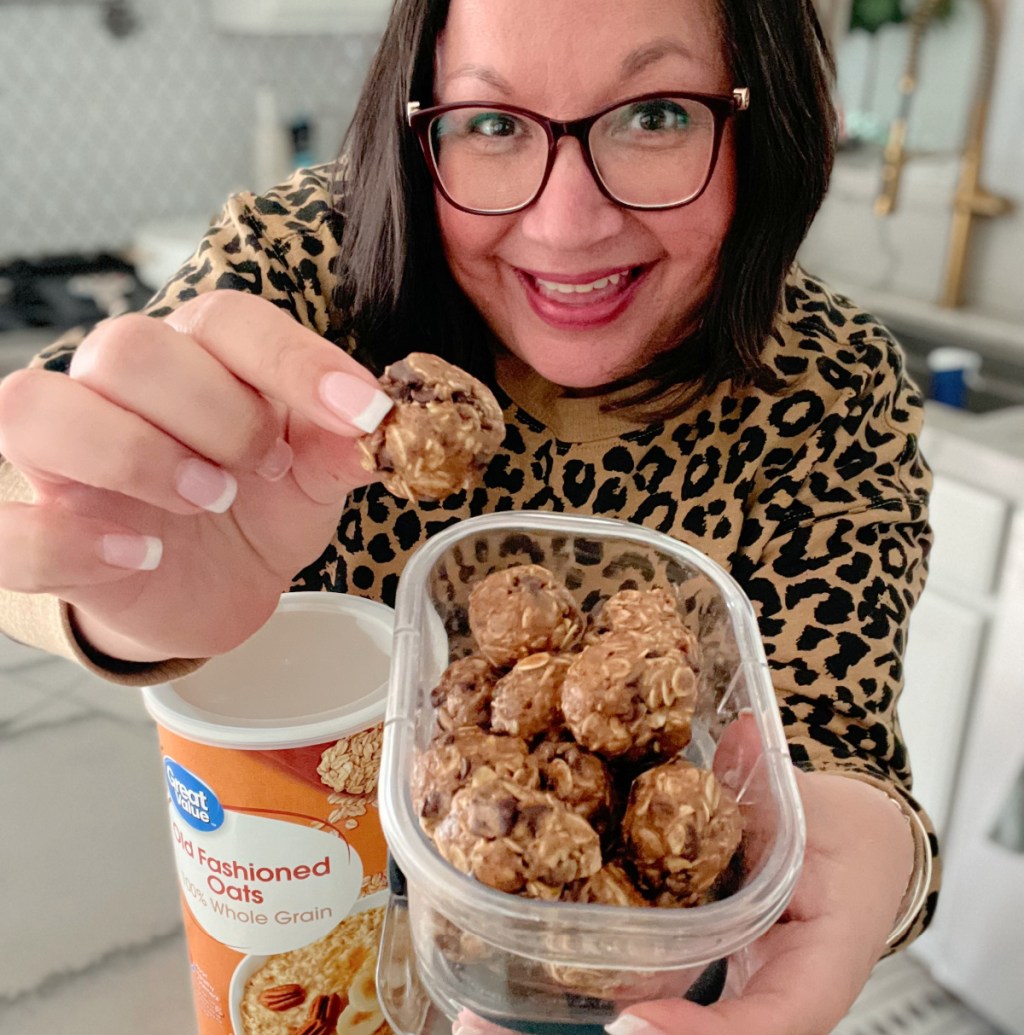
555,771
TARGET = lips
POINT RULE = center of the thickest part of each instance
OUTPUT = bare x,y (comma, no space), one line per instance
581,301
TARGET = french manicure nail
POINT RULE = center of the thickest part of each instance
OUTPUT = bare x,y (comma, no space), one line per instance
277,463
354,400
629,1024
137,552
206,485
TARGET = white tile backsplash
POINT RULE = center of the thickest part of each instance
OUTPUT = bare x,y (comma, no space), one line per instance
99,135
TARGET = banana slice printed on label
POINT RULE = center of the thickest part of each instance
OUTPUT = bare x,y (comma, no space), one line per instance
362,993
354,1021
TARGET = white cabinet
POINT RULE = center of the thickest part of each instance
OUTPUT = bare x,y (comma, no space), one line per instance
276,17
963,710
948,634
942,662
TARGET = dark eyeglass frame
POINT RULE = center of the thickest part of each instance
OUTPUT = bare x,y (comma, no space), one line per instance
721,106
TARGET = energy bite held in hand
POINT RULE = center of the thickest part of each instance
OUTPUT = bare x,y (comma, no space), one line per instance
441,433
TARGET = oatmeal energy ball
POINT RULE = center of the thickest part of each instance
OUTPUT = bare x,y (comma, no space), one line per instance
462,696
681,829
577,777
650,612
441,433
527,700
515,838
610,886
454,757
523,610
622,697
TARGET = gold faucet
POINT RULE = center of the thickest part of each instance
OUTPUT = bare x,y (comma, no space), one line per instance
970,198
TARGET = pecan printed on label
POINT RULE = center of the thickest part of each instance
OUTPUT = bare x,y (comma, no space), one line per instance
282,997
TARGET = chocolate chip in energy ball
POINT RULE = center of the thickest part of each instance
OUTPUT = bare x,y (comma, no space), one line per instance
441,433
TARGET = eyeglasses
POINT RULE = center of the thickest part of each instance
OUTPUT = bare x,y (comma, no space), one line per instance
654,151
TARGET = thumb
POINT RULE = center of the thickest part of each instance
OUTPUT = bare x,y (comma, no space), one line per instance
325,466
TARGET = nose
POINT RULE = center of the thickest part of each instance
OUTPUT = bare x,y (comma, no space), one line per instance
571,212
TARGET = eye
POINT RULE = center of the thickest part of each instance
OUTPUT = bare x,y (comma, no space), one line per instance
492,124
655,116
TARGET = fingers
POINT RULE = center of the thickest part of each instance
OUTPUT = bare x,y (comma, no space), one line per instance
805,973
791,994
291,363
468,1023
57,430
48,549
172,412
145,366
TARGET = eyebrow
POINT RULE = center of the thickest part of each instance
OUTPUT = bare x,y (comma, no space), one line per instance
484,74
632,64
650,53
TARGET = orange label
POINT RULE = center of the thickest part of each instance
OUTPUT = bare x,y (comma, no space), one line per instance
281,864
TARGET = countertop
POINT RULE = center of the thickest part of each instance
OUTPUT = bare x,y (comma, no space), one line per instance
91,938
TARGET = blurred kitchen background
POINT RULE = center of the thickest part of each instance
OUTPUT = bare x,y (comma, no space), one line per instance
124,125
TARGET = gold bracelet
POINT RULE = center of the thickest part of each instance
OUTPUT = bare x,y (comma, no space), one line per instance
920,878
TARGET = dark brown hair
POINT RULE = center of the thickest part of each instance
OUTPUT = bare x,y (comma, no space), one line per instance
396,294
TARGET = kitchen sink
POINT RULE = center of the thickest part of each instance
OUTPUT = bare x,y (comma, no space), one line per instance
998,385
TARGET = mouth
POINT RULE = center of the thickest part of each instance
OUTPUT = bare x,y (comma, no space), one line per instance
581,301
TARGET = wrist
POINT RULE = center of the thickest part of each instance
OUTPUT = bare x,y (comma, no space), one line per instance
105,647
919,884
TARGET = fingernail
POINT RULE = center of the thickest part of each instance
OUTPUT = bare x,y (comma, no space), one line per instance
628,1024
205,485
354,400
277,463
138,552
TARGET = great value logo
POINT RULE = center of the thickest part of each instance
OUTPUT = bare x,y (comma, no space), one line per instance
194,800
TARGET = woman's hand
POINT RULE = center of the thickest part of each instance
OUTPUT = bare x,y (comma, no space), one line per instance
217,444
803,975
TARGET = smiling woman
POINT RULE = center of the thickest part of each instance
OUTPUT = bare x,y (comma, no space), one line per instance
593,207
710,272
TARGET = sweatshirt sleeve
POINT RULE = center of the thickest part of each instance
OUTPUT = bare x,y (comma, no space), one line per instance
842,560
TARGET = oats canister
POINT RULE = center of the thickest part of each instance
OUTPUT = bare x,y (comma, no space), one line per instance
270,756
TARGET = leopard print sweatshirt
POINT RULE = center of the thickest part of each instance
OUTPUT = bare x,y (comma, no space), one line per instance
814,498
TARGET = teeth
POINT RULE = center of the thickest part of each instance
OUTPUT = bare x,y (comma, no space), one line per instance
580,289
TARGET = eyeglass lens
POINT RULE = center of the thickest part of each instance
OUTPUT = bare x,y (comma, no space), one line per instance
650,152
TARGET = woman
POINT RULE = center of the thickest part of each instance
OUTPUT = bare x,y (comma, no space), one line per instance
658,357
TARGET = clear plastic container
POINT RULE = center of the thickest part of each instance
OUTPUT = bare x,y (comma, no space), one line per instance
531,964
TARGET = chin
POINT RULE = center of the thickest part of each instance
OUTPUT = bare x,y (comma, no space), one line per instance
574,365
582,373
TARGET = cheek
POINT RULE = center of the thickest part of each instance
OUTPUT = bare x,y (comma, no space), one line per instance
469,242
696,232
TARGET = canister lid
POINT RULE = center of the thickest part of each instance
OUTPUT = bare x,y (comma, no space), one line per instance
317,669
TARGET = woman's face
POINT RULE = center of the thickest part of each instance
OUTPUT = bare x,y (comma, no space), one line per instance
567,59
